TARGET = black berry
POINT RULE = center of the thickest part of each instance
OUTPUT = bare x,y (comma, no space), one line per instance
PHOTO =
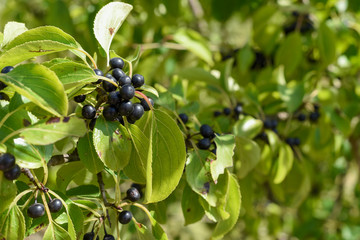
127,92
117,73
4,96
90,236
125,217
138,187
206,131
55,205
79,98
314,116
13,173
7,161
109,85
92,124
125,108
99,73
145,104
110,113
184,118
124,80
227,111
137,80
137,112
109,237
36,210
117,62
7,69
204,143
133,194
131,120
2,85
88,112
114,98
301,117
217,113
238,109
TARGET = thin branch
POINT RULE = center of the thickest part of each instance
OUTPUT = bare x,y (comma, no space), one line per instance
102,189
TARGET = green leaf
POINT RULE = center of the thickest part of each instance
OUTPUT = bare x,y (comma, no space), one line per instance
88,155
199,74
7,192
112,144
327,44
159,155
11,31
233,203
56,232
195,43
225,145
77,217
40,85
246,157
247,127
283,164
191,207
12,224
157,230
67,173
149,89
290,52
108,21
72,74
36,42
53,130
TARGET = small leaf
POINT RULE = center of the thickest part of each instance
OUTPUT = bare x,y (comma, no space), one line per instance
246,157
53,130
7,192
40,85
283,164
12,224
157,230
225,145
67,173
11,31
56,232
76,216
112,144
149,89
191,207
88,154
247,127
108,21
326,44
289,52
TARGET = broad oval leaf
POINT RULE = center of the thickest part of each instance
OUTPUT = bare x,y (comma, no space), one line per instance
326,44
190,205
53,130
12,30
88,154
108,21
56,232
289,52
112,144
283,164
247,127
7,193
246,157
12,224
40,85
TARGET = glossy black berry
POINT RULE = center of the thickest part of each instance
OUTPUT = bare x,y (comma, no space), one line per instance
110,86
114,98
227,111
7,161
206,131
2,85
7,69
217,113
138,187
314,116
125,108
301,117
124,80
131,120
238,109
12,173
109,237
184,118
55,205
125,217
36,210
138,111
137,80
90,236
145,104
133,194
117,73
79,98
92,123
110,113
4,96
88,112
127,92
117,62
204,143
99,73
296,142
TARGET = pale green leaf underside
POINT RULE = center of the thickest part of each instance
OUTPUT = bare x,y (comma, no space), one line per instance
12,30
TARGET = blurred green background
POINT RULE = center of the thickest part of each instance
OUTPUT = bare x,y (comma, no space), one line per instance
247,41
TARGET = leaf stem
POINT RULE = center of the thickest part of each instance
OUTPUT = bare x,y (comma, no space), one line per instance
46,207
96,214
14,133
89,56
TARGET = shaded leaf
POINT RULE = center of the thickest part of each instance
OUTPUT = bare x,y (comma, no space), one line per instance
247,127
88,154
12,224
191,207
246,157
283,164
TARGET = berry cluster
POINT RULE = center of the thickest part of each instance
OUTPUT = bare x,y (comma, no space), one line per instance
235,112
37,210
118,93
7,164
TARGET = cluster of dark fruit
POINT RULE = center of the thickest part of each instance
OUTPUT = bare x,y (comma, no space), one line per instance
301,21
37,210
313,116
235,112
7,164
119,98
3,96
206,132
133,194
